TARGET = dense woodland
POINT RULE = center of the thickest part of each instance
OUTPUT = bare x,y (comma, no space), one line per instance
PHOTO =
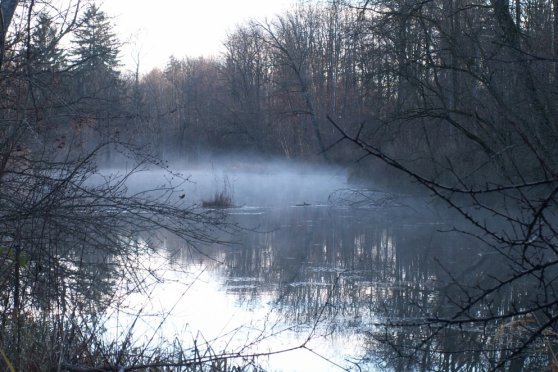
426,81
459,96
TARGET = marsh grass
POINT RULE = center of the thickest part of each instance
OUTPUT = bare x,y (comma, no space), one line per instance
221,199
84,348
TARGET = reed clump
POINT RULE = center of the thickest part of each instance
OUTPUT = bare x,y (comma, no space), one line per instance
222,198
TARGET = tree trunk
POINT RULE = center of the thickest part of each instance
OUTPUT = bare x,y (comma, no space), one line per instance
555,38
7,9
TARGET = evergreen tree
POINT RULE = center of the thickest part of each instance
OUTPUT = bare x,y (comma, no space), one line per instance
44,63
44,51
95,59
96,46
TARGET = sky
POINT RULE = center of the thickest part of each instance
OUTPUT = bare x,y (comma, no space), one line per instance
155,30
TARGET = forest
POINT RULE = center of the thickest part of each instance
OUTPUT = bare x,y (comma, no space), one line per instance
453,99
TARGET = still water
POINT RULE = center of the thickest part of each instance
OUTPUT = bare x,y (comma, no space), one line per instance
306,279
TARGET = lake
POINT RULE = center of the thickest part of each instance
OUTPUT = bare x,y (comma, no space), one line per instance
313,270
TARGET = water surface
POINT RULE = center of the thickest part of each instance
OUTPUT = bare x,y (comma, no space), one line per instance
310,270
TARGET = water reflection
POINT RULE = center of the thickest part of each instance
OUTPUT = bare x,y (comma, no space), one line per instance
304,270
336,273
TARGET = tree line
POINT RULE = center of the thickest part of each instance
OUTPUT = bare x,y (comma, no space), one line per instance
269,91
457,80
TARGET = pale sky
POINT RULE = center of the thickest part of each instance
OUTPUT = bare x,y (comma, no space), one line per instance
159,29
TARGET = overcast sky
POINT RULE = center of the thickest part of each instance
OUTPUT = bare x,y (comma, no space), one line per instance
159,29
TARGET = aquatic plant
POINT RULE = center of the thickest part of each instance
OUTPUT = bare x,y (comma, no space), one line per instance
222,198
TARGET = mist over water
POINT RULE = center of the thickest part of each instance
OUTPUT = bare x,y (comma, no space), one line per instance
267,184
250,183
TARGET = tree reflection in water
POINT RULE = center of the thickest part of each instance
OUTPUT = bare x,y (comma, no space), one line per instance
378,276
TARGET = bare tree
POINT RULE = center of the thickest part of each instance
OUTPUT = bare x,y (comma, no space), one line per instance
68,228
247,70
476,128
